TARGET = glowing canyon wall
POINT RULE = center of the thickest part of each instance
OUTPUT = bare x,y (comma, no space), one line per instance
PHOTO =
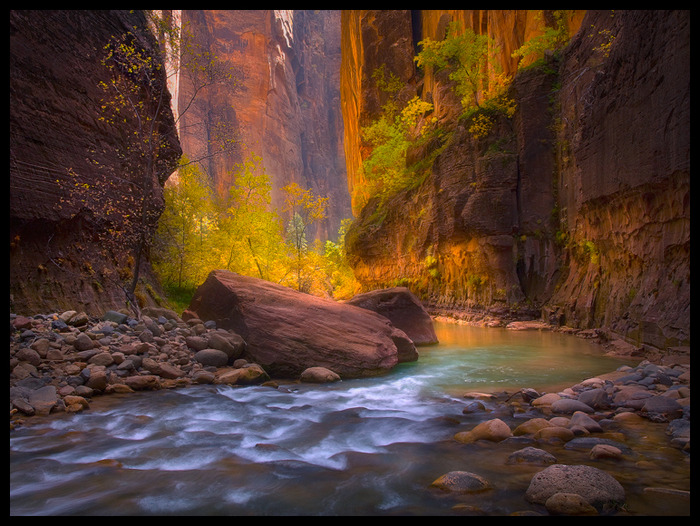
286,107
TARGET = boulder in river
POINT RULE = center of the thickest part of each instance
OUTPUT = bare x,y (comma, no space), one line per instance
319,375
595,486
461,482
403,309
287,331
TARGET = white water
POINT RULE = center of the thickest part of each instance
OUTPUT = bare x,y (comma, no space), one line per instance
370,446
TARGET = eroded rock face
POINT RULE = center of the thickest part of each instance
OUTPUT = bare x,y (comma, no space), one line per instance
624,184
67,165
286,108
484,216
372,38
287,332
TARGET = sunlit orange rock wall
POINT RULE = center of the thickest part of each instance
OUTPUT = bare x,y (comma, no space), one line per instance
371,38
576,210
287,107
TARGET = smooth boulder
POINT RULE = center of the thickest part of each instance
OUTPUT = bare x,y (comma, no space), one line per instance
287,331
596,487
400,306
319,375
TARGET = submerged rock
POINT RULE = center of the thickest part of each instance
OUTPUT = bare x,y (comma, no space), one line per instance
462,482
569,504
531,455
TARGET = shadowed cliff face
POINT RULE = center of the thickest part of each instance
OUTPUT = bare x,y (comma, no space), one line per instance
287,107
625,174
578,207
58,144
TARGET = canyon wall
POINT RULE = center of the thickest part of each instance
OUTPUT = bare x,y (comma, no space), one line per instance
576,209
67,166
374,38
286,106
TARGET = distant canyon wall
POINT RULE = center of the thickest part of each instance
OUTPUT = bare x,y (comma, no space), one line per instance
286,109
576,209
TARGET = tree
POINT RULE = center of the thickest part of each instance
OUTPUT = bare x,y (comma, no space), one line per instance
304,209
183,229
249,237
136,104
341,279
389,138
473,66
465,55
552,38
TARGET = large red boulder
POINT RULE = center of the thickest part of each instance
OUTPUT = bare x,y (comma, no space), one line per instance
288,331
403,309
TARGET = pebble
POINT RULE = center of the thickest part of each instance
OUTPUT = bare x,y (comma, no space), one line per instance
60,361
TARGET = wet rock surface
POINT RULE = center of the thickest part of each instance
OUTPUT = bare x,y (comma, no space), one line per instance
63,361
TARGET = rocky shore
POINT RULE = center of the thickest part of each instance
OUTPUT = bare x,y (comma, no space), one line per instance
592,417
61,361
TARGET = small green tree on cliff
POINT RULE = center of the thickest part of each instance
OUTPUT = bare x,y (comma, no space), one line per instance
473,66
390,136
465,55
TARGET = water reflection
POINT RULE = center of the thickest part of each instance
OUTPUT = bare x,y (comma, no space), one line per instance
501,359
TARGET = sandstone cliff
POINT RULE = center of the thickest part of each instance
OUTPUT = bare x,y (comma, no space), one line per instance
577,208
371,38
60,253
287,107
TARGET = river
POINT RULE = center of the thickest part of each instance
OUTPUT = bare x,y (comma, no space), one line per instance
356,447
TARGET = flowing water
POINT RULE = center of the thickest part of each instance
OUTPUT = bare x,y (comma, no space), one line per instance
356,447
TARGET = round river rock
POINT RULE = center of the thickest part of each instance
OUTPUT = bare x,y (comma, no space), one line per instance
595,486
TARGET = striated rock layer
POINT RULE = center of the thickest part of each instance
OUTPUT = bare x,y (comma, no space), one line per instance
70,185
577,208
